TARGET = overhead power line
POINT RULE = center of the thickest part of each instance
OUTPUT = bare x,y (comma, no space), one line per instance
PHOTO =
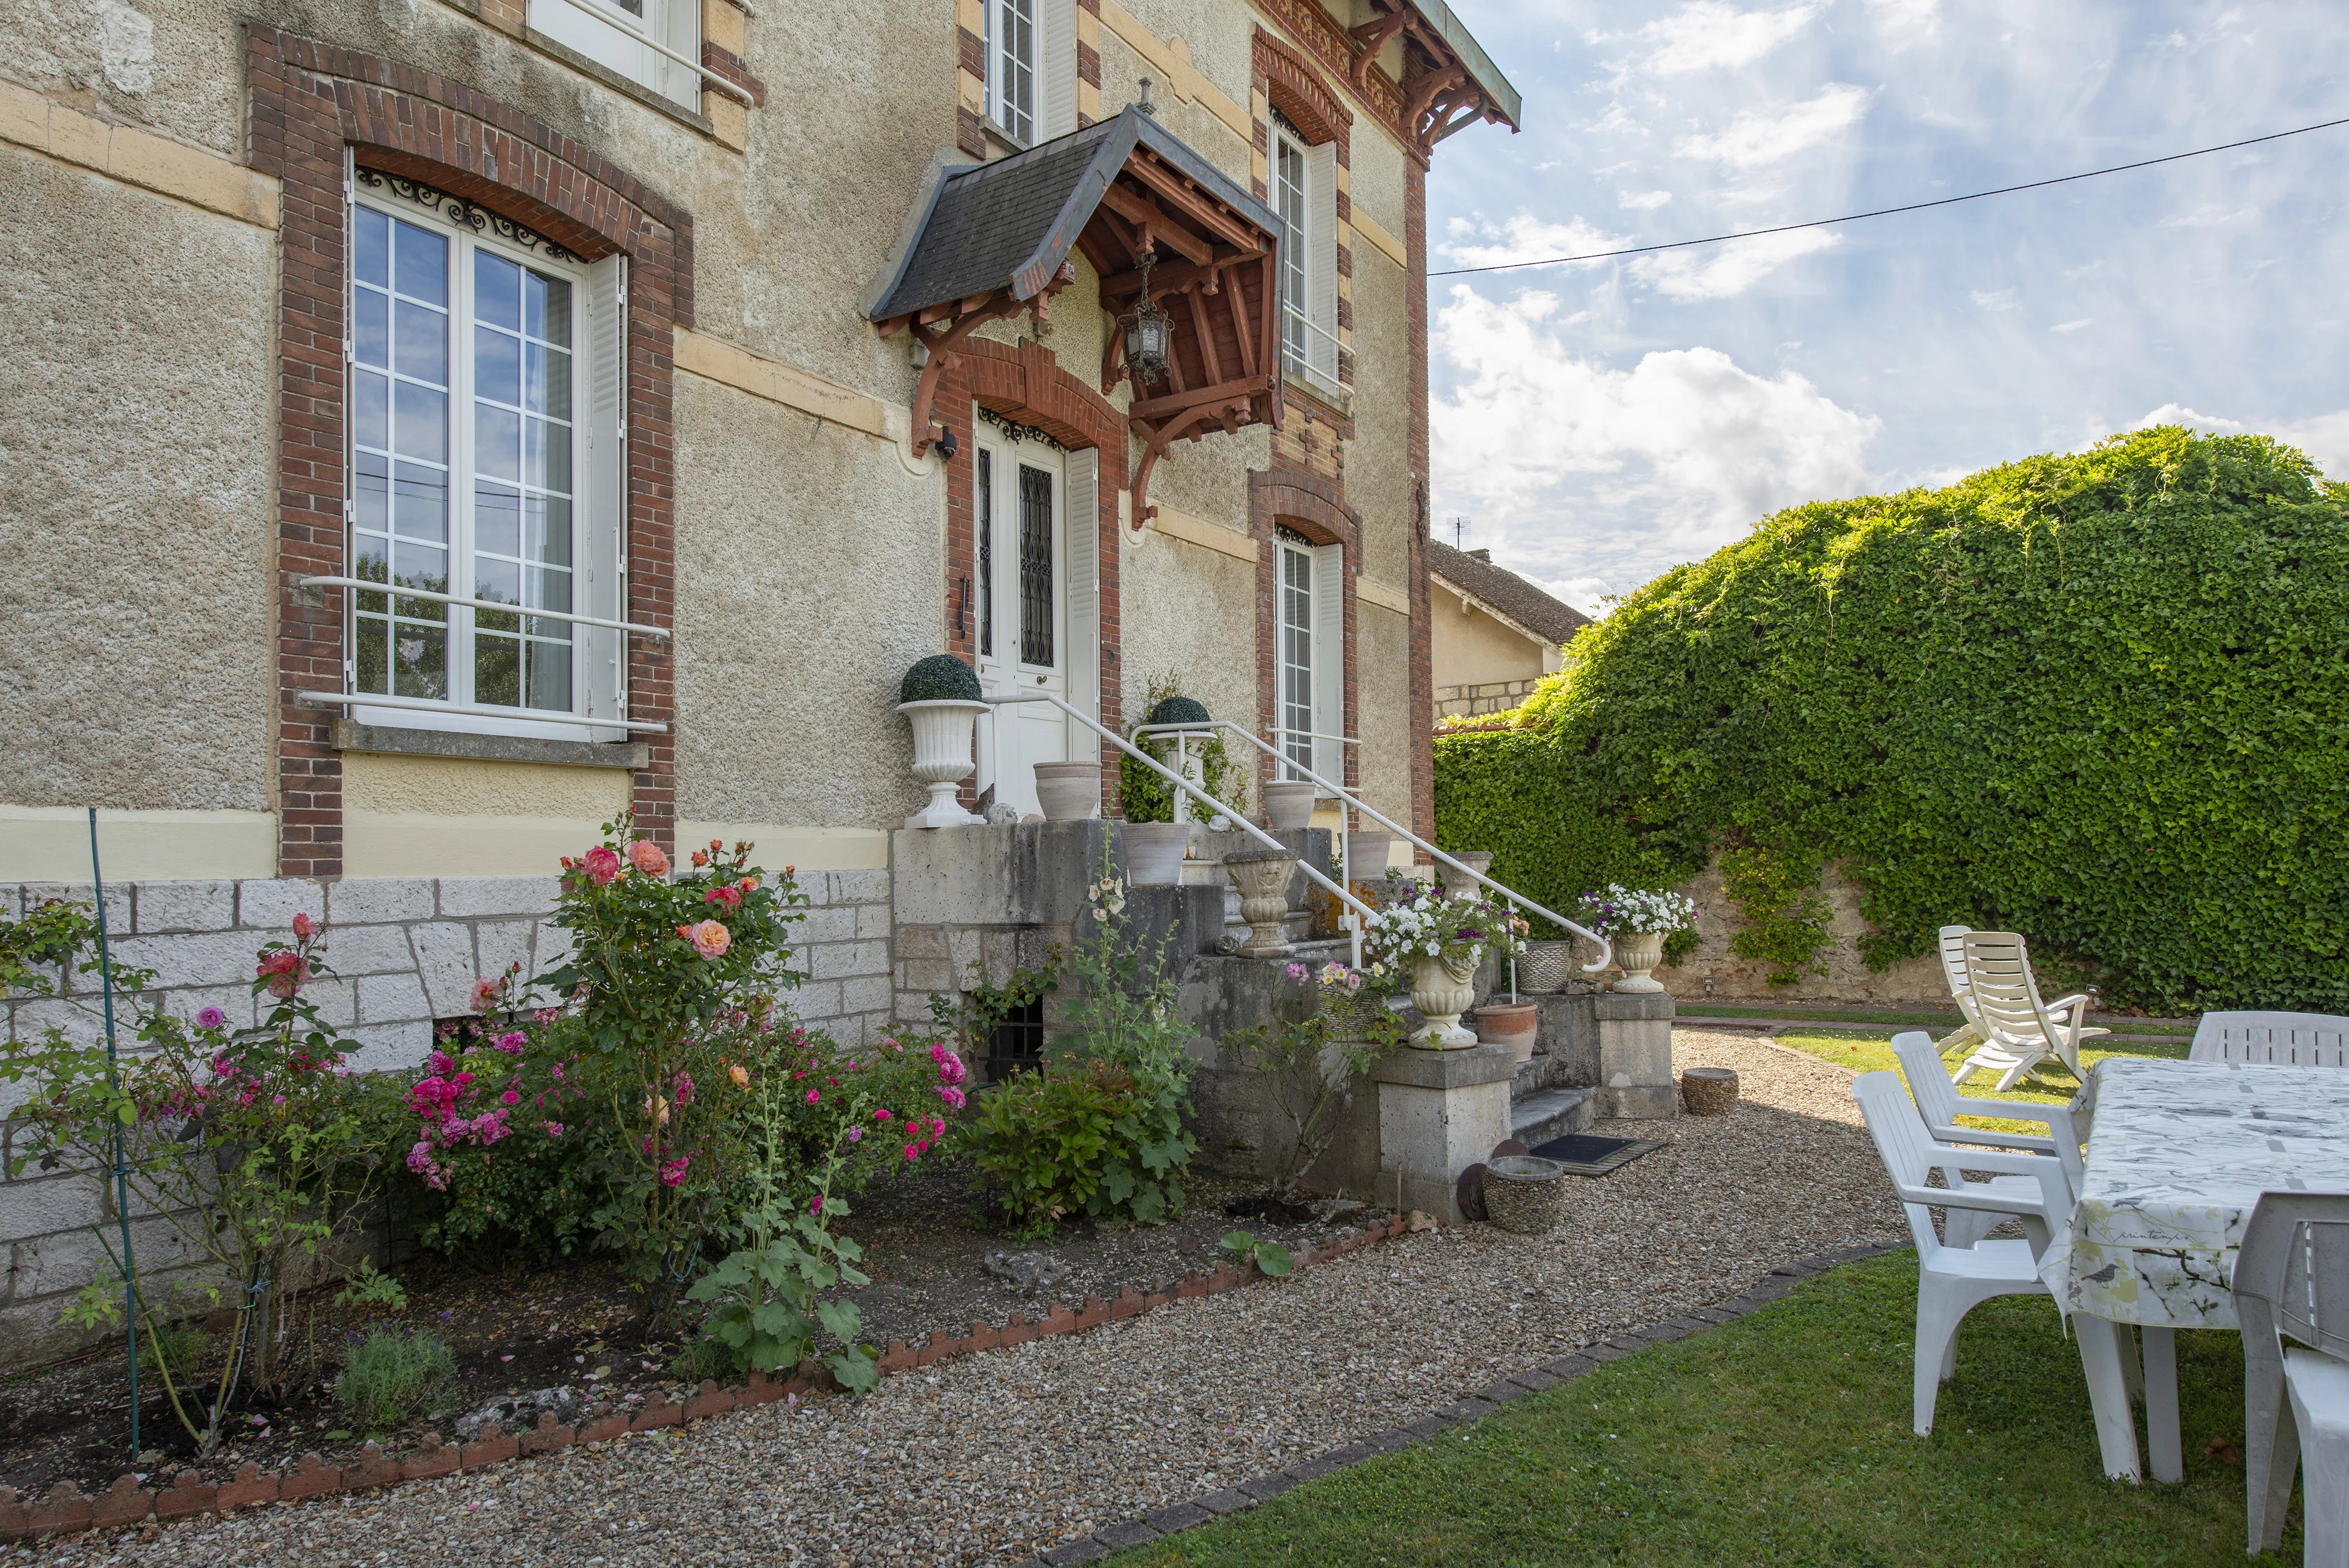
1887,212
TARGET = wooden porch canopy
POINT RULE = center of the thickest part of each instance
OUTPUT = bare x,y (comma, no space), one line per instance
995,242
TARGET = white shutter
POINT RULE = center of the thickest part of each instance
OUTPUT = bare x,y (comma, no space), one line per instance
601,505
683,25
1056,94
1321,262
1082,662
1329,660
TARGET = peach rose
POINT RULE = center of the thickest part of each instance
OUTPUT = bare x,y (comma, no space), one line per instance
711,938
646,856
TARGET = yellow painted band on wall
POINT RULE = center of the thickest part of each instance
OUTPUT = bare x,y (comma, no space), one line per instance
139,158
1368,227
1170,58
421,844
465,787
1369,590
51,844
778,845
715,359
1205,534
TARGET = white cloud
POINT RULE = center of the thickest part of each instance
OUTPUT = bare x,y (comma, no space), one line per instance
1995,298
1525,238
1706,35
1769,136
1644,201
1606,475
2325,437
1723,272
2072,325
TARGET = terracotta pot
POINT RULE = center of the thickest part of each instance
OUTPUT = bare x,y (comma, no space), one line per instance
1153,851
1069,792
1515,1024
1638,953
1442,987
1288,804
942,757
1454,881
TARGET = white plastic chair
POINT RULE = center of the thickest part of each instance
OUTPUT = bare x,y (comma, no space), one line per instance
2291,1284
2019,1030
1952,1281
1938,1102
2272,1039
1953,970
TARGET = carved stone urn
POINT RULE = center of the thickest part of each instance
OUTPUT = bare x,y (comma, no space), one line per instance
1442,987
942,757
1638,953
1262,877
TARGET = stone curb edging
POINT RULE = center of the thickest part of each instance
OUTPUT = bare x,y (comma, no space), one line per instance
66,1512
1215,1505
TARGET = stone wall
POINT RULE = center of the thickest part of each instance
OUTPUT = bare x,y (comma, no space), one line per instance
1714,971
405,952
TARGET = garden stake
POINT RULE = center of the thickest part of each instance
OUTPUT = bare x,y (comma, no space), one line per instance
121,1177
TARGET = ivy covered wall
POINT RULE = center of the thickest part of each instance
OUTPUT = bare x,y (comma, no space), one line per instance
2100,699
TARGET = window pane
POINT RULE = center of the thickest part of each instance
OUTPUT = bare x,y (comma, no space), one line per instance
549,676
419,663
497,443
423,264
372,491
497,670
546,455
369,420
497,519
370,327
419,565
420,425
371,248
496,580
548,389
497,291
547,309
550,589
497,366
550,529
421,348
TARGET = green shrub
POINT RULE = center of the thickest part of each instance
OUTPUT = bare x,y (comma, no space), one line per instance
2095,698
1041,1139
939,677
388,1377
1143,795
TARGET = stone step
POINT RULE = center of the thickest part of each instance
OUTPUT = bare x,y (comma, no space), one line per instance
1552,1113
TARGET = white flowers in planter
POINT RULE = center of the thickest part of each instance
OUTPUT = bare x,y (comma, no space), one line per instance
1617,911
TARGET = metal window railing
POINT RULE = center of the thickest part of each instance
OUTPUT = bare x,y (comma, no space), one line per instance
619,21
470,710
368,584
1337,348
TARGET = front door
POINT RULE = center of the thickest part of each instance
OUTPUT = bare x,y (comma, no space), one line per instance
1020,526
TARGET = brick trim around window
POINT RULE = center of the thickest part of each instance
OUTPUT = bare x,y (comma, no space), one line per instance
1314,506
308,100
1029,385
1298,91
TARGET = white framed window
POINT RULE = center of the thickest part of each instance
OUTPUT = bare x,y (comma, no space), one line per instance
1305,197
1032,69
646,41
1308,641
486,468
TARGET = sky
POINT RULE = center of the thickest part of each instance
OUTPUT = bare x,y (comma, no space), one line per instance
1596,424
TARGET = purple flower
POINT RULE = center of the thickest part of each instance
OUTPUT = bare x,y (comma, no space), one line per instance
211,1018
1297,971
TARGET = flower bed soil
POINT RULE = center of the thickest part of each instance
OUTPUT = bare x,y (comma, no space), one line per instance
571,1332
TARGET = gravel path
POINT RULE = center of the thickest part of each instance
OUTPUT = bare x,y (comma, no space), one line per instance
984,1460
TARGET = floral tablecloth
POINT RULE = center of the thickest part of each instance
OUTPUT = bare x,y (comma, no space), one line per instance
2180,1153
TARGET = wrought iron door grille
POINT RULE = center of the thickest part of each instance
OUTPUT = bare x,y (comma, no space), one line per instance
1018,1043
1035,565
986,488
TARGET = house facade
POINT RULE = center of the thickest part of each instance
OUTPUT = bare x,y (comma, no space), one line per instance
1493,634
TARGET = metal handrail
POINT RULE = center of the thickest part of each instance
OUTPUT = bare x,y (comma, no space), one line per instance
1606,948
368,584
1184,786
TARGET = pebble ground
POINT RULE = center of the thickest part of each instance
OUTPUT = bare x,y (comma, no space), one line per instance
988,1458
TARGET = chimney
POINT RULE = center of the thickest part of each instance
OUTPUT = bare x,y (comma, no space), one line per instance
1484,555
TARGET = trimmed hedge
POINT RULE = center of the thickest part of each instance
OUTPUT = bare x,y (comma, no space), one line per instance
2100,699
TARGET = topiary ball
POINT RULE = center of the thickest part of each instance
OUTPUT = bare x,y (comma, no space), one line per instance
1178,711
941,678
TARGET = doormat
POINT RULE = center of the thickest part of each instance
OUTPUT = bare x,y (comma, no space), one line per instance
1586,1153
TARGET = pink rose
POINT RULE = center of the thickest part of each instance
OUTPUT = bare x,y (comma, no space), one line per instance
951,1095
510,1097
814,1097
552,1129
674,1171
285,970
911,1152
211,1018
602,865
305,927
710,939
856,1135
647,857
512,1043
487,995
730,897
880,1115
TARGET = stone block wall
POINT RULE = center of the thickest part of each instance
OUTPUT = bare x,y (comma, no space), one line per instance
405,954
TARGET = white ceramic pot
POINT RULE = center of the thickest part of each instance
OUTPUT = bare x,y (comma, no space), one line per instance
1288,804
1069,792
1638,953
1368,847
1442,987
1153,851
1263,880
1460,882
942,757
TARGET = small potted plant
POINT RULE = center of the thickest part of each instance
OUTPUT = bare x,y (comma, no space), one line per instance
939,696
1437,939
1636,921
1156,841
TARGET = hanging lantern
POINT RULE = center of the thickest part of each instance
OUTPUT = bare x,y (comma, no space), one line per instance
1149,332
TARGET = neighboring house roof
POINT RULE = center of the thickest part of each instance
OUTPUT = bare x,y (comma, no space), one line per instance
1505,593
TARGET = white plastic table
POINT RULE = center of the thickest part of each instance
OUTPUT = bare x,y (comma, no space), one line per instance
2179,1154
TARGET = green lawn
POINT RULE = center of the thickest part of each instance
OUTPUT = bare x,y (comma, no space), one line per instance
1783,1437
2050,1081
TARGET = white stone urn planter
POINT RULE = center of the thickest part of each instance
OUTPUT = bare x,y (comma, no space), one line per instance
1263,878
942,757
1368,847
1288,804
1638,953
1442,987
1459,882
1069,792
1153,851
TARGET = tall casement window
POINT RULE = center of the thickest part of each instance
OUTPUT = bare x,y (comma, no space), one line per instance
1305,196
485,469
1309,647
1032,69
650,42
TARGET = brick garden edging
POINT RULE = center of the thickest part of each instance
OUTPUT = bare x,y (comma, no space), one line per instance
66,1512
1182,1516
